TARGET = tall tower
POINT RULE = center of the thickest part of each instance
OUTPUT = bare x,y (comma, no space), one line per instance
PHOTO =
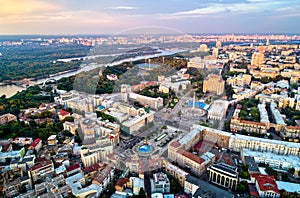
268,42
218,44
203,48
257,58
100,72
215,52
125,89
194,100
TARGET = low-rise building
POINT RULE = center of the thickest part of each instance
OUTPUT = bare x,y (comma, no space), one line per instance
103,177
43,168
176,172
160,183
7,118
121,184
51,140
266,185
71,170
217,110
223,175
237,124
36,145
136,184
70,126
62,114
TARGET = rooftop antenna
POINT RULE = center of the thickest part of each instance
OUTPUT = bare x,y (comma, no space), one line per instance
149,61
194,100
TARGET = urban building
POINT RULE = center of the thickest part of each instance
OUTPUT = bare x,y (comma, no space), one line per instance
266,185
280,162
223,175
160,183
92,154
36,145
214,84
176,172
239,80
257,59
127,94
7,118
136,184
237,125
42,169
131,119
217,110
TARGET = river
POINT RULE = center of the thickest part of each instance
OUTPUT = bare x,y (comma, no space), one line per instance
10,90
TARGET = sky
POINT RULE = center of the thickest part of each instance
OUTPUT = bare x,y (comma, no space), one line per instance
114,16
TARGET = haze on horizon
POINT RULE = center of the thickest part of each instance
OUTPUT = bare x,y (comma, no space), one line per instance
195,16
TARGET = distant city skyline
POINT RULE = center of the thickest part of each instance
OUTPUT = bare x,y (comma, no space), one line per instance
109,17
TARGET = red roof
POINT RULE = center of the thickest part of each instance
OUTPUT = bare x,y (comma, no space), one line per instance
180,196
121,182
37,166
5,147
266,182
191,156
36,142
92,168
175,144
293,127
73,167
63,112
40,162
201,144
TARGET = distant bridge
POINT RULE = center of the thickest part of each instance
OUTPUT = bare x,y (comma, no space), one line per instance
49,80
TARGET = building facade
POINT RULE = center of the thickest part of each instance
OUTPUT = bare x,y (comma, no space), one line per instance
214,83
223,175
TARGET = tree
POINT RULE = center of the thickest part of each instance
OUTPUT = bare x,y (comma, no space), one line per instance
244,172
229,91
142,193
227,125
111,187
294,85
243,114
242,187
67,133
292,170
175,186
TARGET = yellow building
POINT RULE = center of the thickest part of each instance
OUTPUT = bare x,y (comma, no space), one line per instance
257,58
214,83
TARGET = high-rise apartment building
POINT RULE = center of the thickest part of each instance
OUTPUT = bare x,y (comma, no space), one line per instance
257,58
214,83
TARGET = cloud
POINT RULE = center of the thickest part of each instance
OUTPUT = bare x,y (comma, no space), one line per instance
122,8
19,7
246,7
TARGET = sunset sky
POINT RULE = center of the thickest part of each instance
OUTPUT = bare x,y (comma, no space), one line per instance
108,16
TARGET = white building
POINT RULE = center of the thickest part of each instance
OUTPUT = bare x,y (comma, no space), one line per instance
160,183
217,110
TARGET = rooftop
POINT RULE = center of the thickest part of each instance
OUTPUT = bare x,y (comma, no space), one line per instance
288,186
266,182
63,112
272,156
35,142
225,168
191,156
73,167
